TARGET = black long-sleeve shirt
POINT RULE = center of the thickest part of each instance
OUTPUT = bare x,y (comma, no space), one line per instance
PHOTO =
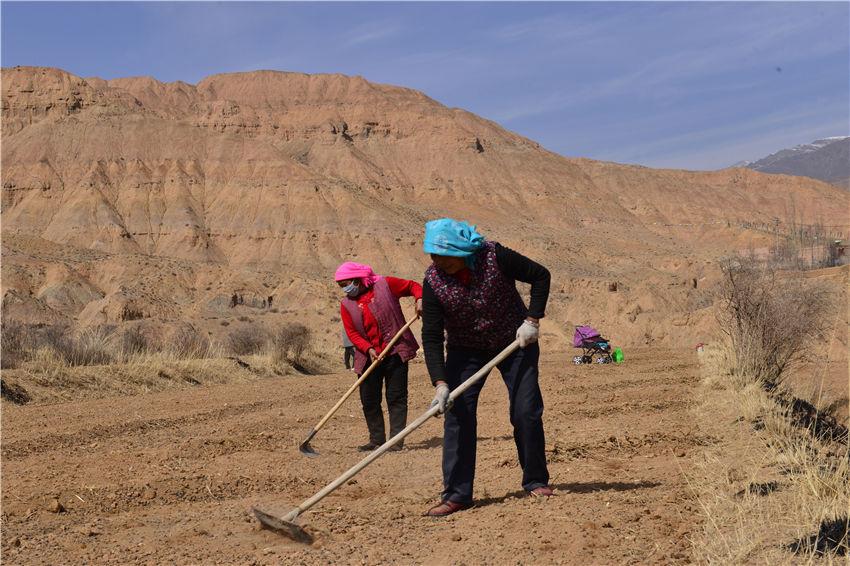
513,265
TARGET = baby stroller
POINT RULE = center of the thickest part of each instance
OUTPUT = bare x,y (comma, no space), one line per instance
592,344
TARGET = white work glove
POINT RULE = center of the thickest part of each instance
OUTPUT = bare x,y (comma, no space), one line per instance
441,398
527,333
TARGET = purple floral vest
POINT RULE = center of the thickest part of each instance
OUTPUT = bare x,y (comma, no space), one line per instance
484,315
387,311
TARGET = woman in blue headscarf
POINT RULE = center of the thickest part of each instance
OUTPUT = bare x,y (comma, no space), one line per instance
470,302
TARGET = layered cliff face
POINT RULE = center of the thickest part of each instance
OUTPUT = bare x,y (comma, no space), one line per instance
159,200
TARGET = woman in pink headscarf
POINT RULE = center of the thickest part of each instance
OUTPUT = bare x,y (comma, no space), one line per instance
371,315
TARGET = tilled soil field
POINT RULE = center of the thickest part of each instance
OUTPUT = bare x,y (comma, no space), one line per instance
171,477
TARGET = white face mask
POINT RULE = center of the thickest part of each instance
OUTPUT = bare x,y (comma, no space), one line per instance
352,289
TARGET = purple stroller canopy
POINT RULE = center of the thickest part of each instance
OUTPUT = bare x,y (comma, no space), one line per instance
583,333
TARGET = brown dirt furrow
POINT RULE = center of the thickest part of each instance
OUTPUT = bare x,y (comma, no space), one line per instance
56,441
639,406
629,445
623,384
176,485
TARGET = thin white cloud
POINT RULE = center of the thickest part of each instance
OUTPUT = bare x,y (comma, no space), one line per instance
740,139
574,27
372,32
747,42
755,146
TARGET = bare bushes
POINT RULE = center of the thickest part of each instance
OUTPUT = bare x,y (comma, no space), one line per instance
23,343
290,344
48,354
769,319
186,343
774,321
775,486
247,340
90,347
94,346
97,345
134,343
281,347
276,348
287,345
14,344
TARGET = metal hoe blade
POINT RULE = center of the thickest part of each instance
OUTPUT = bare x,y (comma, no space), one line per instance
305,447
283,527
307,450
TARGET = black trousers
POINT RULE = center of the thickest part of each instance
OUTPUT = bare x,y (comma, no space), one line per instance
392,372
519,372
348,356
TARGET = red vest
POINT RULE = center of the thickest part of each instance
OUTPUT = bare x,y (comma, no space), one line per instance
387,312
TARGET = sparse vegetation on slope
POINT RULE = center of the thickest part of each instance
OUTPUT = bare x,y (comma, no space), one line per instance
775,490
772,320
47,363
255,186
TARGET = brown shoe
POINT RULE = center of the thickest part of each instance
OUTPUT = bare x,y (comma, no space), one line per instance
446,508
542,491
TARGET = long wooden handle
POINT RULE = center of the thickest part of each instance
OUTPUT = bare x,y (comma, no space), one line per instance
366,373
374,455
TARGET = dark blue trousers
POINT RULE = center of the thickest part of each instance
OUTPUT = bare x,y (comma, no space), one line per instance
519,371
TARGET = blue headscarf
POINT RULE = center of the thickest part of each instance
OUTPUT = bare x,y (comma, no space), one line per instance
452,238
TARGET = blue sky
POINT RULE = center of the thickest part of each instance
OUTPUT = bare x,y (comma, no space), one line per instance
683,85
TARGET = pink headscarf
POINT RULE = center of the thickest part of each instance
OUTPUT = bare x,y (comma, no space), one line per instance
352,270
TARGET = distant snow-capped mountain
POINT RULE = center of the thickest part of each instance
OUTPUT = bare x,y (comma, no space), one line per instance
826,159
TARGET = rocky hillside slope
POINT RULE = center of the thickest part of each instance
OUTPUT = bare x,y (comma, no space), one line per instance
826,159
131,199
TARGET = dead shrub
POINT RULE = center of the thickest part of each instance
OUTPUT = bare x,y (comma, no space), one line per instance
94,346
290,343
15,344
247,340
770,319
48,364
91,346
57,337
134,343
187,343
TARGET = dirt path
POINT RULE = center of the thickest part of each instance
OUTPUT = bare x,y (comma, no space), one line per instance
169,478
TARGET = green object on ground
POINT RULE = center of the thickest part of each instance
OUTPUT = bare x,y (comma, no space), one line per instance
617,356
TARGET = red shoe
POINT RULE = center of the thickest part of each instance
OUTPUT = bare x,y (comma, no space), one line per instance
542,491
446,508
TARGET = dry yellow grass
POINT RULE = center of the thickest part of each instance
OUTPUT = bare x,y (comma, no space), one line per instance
767,486
55,364
46,377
